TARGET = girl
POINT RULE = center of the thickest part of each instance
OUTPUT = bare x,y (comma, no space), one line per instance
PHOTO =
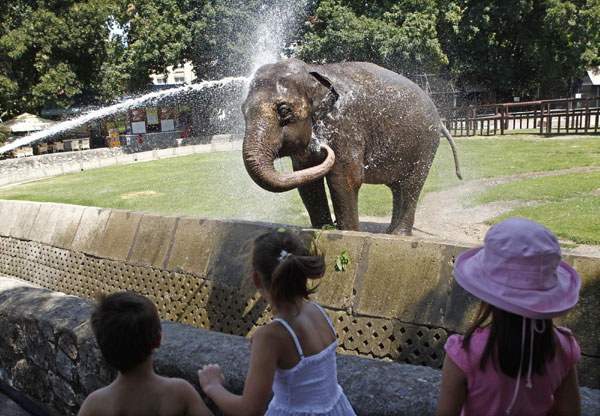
522,283
294,356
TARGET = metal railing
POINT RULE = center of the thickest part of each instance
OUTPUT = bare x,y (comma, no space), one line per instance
559,116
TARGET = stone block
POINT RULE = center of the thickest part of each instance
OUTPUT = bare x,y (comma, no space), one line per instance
119,234
25,214
461,307
45,223
202,148
144,156
153,240
164,153
8,217
335,289
104,163
583,318
588,371
125,159
231,245
404,279
192,245
91,230
68,222
220,147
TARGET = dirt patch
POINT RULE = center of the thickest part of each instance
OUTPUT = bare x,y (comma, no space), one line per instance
141,194
441,215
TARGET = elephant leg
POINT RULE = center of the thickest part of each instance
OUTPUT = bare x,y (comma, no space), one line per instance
314,198
344,196
405,197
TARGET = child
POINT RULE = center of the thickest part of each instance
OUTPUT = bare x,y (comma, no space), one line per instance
522,283
294,356
127,328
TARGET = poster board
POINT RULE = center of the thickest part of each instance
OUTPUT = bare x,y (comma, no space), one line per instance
167,125
138,127
152,115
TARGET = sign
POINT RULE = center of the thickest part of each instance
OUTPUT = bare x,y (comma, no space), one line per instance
166,113
138,114
113,134
114,138
152,115
167,125
138,127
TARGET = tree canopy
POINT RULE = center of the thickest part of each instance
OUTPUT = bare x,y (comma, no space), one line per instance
51,51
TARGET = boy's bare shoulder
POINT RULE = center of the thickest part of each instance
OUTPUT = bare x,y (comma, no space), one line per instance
96,402
180,392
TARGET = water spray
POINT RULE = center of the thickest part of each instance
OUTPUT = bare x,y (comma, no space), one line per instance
117,108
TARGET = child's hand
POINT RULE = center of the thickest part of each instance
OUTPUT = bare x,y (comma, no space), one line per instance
209,376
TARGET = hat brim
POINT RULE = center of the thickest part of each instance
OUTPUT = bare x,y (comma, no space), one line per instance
470,273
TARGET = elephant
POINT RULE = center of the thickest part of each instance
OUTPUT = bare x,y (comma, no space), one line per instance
349,123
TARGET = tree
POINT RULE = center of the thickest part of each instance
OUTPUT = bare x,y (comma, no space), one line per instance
51,51
520,48
400,36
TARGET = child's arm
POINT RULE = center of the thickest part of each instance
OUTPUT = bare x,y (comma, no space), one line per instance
567,400
259,381
453,389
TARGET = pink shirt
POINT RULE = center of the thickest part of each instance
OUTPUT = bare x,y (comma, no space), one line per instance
490,392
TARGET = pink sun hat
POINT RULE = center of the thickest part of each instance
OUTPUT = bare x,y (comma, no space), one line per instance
519,270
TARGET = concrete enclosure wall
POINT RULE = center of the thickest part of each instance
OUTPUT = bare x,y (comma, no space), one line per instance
396,300
42,166
48,352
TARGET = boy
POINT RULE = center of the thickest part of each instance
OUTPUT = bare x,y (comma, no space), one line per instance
127,328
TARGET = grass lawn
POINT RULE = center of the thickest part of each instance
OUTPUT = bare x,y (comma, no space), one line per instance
217,185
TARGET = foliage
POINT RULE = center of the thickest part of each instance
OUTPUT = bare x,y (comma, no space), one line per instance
51,51
341,261
397,35
520,48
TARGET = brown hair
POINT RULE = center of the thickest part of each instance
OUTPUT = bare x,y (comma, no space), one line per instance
126,326
285,275
504,341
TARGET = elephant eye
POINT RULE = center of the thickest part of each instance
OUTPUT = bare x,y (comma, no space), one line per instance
284,112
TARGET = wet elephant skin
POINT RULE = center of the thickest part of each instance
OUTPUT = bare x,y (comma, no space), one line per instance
347,123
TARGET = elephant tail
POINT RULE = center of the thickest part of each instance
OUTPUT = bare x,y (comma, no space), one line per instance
453,146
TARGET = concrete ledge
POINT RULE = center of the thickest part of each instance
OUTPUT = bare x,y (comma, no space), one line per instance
395,300
48,353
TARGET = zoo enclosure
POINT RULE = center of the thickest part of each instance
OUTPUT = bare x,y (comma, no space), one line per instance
557,116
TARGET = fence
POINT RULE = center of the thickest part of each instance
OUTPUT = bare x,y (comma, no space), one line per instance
560,116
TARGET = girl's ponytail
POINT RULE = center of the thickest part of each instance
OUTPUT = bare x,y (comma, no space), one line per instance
285,265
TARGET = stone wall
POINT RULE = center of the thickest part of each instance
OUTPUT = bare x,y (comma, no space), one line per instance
395,301
47,352
38,167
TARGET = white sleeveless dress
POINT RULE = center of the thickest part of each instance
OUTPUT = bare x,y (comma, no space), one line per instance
309,388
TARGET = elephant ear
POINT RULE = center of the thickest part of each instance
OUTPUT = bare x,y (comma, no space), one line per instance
324,96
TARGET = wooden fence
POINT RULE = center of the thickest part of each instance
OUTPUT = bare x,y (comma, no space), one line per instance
560,116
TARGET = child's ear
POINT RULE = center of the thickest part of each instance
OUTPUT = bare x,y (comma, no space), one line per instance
158,340
256,279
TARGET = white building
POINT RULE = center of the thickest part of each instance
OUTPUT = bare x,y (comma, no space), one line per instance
181,74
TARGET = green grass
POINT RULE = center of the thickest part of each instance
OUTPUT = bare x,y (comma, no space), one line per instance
216,184
543,189
577,220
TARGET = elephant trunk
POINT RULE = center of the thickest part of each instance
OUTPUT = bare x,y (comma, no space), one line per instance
259,157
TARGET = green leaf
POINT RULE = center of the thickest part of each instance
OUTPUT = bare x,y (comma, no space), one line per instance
342,261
